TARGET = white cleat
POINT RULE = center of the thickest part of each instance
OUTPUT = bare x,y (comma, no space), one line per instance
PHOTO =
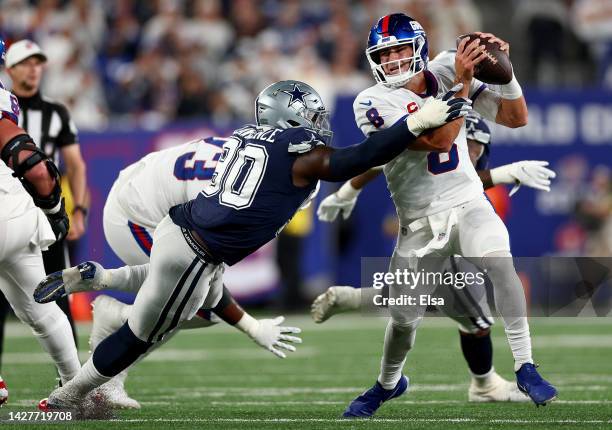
116,397
61,398
107,319
497,389
334,301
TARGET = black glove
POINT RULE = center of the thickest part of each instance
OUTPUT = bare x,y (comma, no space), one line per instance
59,222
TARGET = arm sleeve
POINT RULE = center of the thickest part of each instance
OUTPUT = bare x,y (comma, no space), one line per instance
377,149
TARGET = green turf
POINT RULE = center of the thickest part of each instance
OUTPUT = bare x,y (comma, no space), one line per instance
218,379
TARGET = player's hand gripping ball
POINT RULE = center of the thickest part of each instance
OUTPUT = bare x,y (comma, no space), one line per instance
496,68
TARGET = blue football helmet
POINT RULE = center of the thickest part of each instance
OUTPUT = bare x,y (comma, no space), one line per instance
395,30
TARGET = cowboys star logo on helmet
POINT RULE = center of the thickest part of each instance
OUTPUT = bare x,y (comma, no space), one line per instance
296,95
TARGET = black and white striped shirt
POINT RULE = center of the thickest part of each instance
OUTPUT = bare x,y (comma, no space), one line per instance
48,123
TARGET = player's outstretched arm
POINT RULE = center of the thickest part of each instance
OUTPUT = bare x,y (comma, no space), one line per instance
39,176
531,173
267,333
334,164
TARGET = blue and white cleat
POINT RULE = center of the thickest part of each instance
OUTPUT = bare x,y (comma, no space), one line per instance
87,276
531,383
368,403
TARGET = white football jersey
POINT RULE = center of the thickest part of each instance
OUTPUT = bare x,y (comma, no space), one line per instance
14,199
421,183
147,189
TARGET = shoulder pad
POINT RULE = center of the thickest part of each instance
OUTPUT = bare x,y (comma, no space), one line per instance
301,139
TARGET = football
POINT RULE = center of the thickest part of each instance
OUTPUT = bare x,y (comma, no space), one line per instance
496,68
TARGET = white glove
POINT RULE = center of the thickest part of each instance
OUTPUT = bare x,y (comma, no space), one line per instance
268,334
342,201
530,173
436,112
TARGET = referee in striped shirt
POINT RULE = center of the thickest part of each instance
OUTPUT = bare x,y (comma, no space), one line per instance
50,126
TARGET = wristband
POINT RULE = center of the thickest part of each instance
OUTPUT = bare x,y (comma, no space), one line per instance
347,192
83,210
247,324
512,90
501,175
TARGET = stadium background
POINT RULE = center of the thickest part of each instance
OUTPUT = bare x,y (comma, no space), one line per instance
139,76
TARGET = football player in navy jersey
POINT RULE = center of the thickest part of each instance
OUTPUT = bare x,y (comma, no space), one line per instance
265,174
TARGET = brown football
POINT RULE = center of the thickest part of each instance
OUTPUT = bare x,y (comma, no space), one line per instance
497,68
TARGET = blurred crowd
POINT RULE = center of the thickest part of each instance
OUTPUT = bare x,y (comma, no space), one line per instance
137,62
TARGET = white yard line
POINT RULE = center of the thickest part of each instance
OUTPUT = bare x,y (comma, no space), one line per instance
347,322
353,422
172,394
402,402
34,402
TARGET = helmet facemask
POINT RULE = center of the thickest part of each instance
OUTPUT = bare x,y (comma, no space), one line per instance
319,120
408,66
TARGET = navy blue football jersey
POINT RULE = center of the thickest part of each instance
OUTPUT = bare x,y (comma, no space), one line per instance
251,195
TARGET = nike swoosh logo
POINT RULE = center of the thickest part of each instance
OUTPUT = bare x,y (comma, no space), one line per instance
369,103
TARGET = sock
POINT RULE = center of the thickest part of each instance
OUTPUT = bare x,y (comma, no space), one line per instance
122,376
482,381
519,339
126,278
511,304
118,351
86,380
398,341
477,351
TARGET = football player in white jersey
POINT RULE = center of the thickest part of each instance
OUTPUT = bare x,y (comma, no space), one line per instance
139,199
145,191
473,316
29,182
439,197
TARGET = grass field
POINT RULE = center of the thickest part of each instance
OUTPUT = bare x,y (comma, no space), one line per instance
217,379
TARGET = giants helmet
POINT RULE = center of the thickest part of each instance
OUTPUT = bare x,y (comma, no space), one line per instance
392,30
287,104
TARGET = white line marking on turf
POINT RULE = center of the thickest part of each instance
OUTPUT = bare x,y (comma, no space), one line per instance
166,355
352,422
172,393
404,402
